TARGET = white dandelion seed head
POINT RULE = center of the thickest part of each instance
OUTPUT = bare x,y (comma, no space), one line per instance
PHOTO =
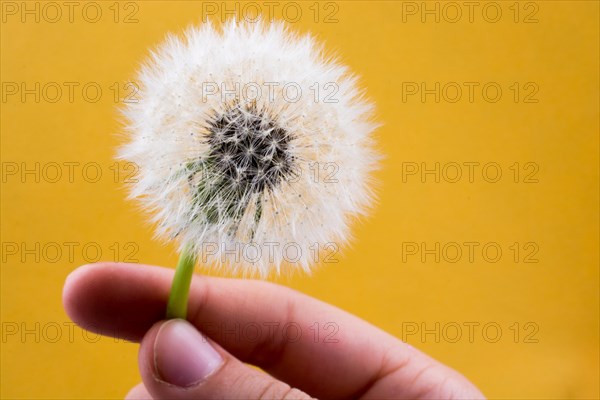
252,147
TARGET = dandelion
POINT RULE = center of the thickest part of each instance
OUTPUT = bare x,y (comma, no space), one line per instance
253,149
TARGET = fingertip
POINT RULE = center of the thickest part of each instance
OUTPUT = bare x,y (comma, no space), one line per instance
72,289
77,284
138,392
93,297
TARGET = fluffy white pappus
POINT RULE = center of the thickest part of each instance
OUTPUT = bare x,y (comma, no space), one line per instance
253,148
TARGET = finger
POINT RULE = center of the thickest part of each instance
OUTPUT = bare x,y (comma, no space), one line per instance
177,362
125,300
138,392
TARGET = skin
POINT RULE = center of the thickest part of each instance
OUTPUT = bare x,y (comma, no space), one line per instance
360,361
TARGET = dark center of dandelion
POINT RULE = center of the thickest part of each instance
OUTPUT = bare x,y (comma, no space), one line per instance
248,153
248,150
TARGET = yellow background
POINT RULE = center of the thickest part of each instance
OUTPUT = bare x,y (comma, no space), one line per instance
387,46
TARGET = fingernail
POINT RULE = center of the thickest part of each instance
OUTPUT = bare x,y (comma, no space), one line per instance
182,356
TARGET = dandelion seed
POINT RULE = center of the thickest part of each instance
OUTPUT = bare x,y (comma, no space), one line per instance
244,174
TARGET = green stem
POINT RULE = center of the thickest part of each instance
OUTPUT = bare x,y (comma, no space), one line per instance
178,298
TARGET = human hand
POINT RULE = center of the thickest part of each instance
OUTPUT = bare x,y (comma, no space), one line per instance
176,361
